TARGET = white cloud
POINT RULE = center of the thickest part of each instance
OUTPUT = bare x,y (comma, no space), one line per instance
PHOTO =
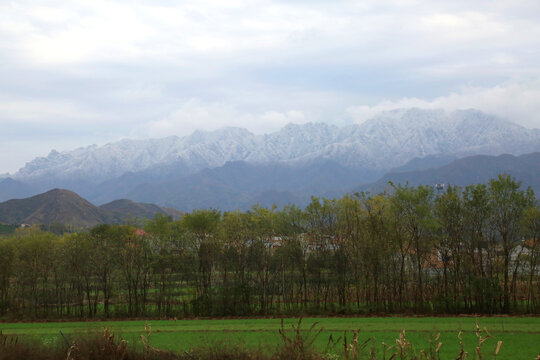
57,33
459,27
515,102
31,111
137,91
197,115
117,68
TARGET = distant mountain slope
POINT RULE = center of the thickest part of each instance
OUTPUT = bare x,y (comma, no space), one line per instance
279,199
54,206
379,144
239,185
14,189
428,162
138,210
66,207
469,170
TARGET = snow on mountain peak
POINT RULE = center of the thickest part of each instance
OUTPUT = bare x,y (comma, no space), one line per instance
387,140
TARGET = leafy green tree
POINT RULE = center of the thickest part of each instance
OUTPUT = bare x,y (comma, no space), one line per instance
202,226
79,255
413,209
103,260
170,264
264,233
35,252
7,267
377,249
509,204
531,231
450,212
235,285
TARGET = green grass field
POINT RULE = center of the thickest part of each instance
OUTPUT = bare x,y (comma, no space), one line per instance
520,335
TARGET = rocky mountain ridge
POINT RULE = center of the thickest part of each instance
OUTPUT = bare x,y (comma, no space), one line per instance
233,168
375,146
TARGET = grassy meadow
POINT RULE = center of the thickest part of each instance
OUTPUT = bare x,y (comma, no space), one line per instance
520,336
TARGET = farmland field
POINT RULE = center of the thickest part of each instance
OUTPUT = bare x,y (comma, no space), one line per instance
520,335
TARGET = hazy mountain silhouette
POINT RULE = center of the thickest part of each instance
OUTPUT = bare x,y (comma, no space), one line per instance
469,170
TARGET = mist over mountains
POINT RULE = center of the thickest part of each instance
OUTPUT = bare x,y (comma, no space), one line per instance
233,168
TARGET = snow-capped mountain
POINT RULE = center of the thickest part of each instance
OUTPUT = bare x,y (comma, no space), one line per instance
395,137
381,143
97,164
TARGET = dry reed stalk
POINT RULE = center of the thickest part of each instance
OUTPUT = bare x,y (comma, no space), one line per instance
481,339
498,348
462,353
403,346
373,356
385,347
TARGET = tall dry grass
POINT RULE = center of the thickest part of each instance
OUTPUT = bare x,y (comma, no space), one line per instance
296,344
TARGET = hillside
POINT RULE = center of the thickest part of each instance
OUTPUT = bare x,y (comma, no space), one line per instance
54,206
66,207
239,185
14,189
468,170
138,210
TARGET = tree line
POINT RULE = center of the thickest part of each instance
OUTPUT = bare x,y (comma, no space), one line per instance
408,250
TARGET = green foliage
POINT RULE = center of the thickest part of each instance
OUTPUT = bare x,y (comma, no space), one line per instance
472,250
6,229
202,222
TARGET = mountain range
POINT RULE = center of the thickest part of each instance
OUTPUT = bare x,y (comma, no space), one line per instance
68,208
233,168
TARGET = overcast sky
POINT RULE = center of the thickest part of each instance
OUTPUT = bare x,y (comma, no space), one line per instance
77,72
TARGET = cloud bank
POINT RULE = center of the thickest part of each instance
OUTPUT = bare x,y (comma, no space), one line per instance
518,103
82,72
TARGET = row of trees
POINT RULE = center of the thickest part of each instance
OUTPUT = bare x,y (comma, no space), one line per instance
408,250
